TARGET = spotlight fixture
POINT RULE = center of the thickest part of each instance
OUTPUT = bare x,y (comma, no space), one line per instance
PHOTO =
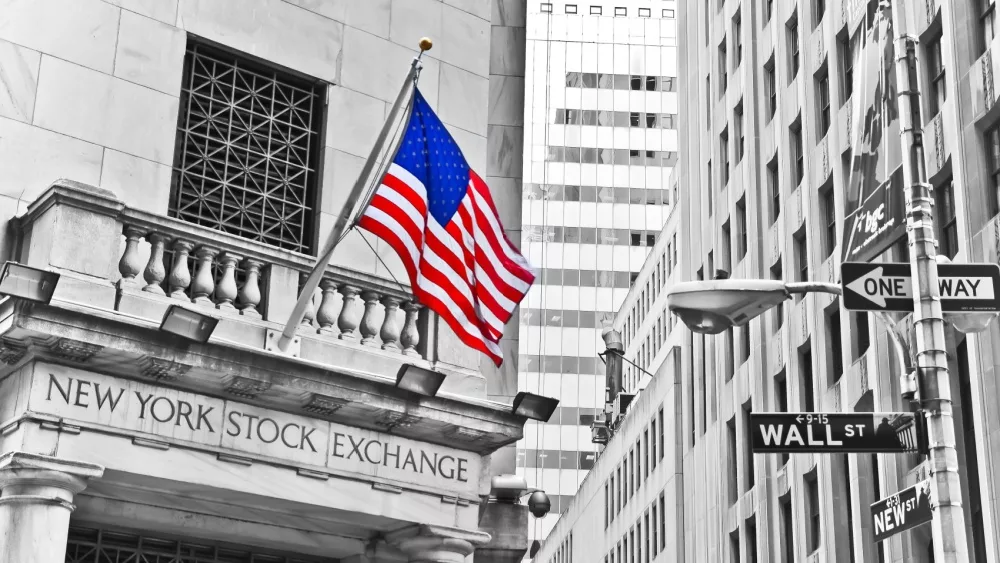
25,282
419,380
535,407
188,324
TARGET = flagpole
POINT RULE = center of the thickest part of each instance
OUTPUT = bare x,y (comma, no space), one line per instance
344,219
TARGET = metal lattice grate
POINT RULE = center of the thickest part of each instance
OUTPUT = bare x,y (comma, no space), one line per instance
88,545
247,150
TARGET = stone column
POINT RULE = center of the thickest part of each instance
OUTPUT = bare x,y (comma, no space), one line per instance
36,499
424,543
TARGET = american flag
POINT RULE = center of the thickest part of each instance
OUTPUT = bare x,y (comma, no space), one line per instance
437,214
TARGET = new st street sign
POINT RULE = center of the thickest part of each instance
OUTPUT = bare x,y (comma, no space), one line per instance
889,287
887,432
902,511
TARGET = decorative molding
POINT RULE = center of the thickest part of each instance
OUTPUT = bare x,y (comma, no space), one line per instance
387,488
71,350
312,474
324,405
59,426
247,387
154,444
238,460
160,369
395,419
467,434
12,351
987,69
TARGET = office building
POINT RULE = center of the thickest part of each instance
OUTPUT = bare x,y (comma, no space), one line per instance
600,126
766,110
177,164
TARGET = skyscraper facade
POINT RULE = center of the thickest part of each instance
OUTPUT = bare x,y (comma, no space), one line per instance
767,94
600,140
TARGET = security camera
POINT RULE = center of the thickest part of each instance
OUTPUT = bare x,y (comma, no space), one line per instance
539,504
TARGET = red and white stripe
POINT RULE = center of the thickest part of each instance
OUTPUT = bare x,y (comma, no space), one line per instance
467,271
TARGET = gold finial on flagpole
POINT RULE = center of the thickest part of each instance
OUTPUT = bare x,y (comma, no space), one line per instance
425,44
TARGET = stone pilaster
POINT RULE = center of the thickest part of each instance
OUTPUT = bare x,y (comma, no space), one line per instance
424,543
36,500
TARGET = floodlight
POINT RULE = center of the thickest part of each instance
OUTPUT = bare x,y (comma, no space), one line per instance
419,380
535,407
25,282
188,324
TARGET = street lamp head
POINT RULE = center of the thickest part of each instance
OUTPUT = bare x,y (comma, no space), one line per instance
711,307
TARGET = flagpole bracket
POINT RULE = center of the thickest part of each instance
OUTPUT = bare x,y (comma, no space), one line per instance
272,339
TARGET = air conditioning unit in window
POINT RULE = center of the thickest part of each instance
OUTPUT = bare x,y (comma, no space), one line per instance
620,406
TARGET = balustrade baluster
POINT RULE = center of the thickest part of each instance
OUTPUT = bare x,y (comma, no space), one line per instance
390,325
348,320
130,264
309,315
180,274
155,273
225,290
249,294
369,328
203,284
410,337
326,315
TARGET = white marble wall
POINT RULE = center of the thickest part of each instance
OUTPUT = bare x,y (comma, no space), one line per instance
89,90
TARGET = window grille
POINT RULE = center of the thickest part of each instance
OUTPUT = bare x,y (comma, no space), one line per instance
247,156
87,545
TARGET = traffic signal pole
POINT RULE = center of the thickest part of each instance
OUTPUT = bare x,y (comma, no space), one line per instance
948,525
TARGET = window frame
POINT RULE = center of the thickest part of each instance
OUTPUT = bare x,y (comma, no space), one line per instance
936,76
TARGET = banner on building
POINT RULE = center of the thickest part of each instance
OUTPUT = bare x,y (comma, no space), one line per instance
875,217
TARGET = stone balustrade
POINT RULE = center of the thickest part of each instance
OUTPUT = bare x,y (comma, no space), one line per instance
195,265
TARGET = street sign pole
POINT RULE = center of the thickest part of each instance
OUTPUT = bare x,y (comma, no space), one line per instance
950,543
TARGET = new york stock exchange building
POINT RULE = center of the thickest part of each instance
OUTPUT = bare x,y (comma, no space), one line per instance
167,172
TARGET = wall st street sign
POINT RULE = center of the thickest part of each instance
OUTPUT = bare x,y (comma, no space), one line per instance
902,511
889,287
887,432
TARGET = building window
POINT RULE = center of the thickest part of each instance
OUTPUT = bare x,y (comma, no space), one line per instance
987,23
663,522
993,158
823,102
654,543
774,188
770,89
247,156
805,365
787,530
947,228
643,12
660,437
668,13
971,452
546,8
724,155
738,39
846,49
734,545
793,48
819,8
570,8
738,130
749,475
768,10
781,401
708,102
798,158
829,220
802,257
935,69
723,76
595,10
777,273
812,513
836,348
741,229
621,11
732,462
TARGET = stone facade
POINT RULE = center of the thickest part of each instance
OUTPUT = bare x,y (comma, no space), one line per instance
91,97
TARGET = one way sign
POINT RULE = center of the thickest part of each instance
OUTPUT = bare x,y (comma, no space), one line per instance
889,287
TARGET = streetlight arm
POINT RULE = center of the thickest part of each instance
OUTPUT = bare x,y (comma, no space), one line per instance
813,287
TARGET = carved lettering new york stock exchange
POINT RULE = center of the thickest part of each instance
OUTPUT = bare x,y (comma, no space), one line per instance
168,413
